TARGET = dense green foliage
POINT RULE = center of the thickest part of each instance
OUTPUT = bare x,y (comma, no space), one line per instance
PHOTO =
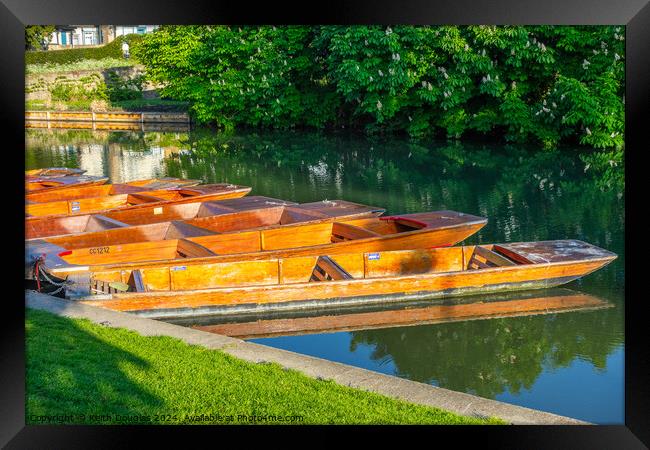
68,56
86,64
77,370
544,84
122,88
89,88
36,36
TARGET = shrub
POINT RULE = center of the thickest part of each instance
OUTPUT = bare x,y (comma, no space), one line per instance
123,88
67,56
84,89
86,64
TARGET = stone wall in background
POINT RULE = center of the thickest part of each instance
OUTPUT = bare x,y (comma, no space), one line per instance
41,86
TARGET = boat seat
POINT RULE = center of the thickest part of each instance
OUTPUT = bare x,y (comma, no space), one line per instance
137,199
136,281
292,214
347,232
98,222
327,269
189,249
179,229
483,258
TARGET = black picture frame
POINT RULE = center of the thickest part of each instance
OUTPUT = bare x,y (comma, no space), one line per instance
634,14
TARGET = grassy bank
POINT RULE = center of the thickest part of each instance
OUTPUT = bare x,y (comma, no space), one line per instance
79,369
144,104
86,64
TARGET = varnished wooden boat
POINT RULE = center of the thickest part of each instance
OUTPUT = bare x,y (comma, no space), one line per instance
234,214
50,184
246,213
74,193
53,172
183,289
211,239
158,197
318,321
59,226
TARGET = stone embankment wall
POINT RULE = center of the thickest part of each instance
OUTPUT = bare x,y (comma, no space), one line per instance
39,86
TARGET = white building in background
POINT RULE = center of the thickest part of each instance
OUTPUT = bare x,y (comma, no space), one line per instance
121,30
70,36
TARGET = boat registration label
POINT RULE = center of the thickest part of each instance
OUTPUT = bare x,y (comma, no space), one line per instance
98,250
373,256
157,210
74,206
179,268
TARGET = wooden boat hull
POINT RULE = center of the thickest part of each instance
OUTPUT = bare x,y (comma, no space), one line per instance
367,278
162,197
59,197
331,236
53,172
158,223
51,184
83,224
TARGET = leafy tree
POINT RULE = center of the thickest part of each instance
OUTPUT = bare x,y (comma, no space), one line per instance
38,36
542,84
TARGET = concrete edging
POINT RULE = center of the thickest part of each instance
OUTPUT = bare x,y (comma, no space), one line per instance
390,386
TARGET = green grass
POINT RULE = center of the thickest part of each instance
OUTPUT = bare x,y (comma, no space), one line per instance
152,104
76,368
73,105
35,105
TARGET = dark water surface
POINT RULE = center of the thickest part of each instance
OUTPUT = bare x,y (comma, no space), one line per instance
569,363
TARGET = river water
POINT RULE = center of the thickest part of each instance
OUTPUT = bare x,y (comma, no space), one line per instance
569,363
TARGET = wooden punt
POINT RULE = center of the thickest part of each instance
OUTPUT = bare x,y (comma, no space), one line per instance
312,229
181,289
158,197
483,307
59,226
53,172
208,218
73,193
49,184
